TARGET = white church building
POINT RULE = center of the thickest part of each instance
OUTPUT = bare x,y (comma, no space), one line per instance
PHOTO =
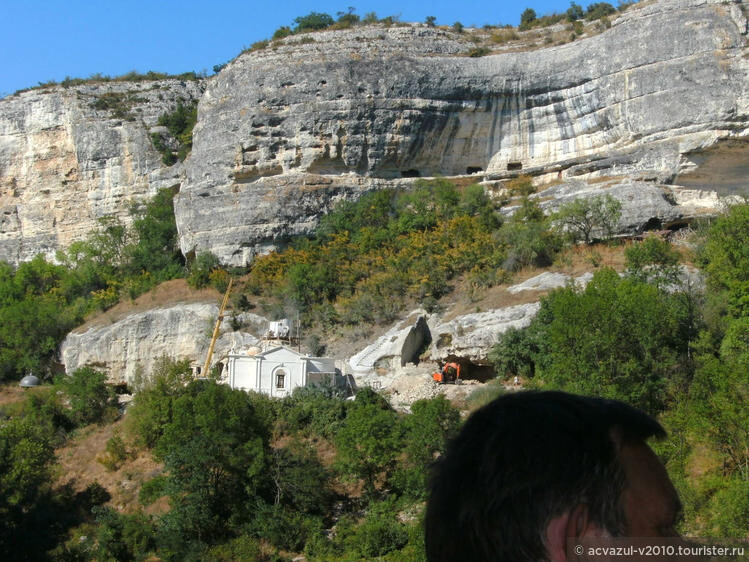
278,371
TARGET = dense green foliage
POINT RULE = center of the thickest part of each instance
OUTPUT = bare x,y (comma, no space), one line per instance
40,302
617,338
371,256
312,21
28,432
655,341
90,399
180,123
724,256
241,468
247,476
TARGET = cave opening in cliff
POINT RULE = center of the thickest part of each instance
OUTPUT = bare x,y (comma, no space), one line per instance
514,166
470,370
470,170
411,174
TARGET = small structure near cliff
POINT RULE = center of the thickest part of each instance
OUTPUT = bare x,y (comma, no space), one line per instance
278,371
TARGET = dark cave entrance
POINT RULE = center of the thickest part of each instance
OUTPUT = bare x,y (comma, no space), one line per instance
470,370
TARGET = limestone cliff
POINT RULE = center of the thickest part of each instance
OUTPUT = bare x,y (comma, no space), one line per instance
133,343
69,156
285,132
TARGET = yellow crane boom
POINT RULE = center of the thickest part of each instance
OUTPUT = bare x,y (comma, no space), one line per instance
208,358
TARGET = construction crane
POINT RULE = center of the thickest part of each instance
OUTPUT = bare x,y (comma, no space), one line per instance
208,357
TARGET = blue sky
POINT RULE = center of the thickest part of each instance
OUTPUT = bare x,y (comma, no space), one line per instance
50,39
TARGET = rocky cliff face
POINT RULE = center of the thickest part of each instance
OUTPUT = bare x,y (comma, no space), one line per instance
283,133
69,156
135,342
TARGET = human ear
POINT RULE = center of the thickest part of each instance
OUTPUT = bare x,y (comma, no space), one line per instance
571,524
556,537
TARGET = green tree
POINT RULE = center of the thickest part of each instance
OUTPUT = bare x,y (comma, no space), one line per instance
515,352
574,12
312,21
527,18
347,18
88,393
368,443
157,249
426,433
152,408
26,457
617,338
724,256
597,10
215,452
653,261
430,21
586,216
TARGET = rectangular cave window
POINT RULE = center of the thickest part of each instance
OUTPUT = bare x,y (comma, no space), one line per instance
474,170
513,166
410,174
280,380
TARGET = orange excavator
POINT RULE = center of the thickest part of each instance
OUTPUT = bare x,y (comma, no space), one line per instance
450,374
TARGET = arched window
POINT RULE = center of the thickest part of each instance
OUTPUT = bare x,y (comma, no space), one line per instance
280,378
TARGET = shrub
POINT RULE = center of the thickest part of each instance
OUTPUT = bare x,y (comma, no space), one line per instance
200,269
430,21
152,489
597,10
156,251
347,19
503,36
220,279
257,46
115,453
476,52
368,443
574,12
89,395
515,353
527,19
281,32
180,123
312,21
379,533
653,261
617,338
724,255
458,27
317,410
485,394
584,217
431,424
154,399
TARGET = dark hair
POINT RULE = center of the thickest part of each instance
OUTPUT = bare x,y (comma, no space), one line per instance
518,462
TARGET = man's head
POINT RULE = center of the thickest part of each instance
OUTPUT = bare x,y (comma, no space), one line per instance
531,469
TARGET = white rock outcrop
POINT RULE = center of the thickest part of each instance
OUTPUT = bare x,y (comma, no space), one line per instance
549,280
133,343
394,349
472,336
69,156
284,133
